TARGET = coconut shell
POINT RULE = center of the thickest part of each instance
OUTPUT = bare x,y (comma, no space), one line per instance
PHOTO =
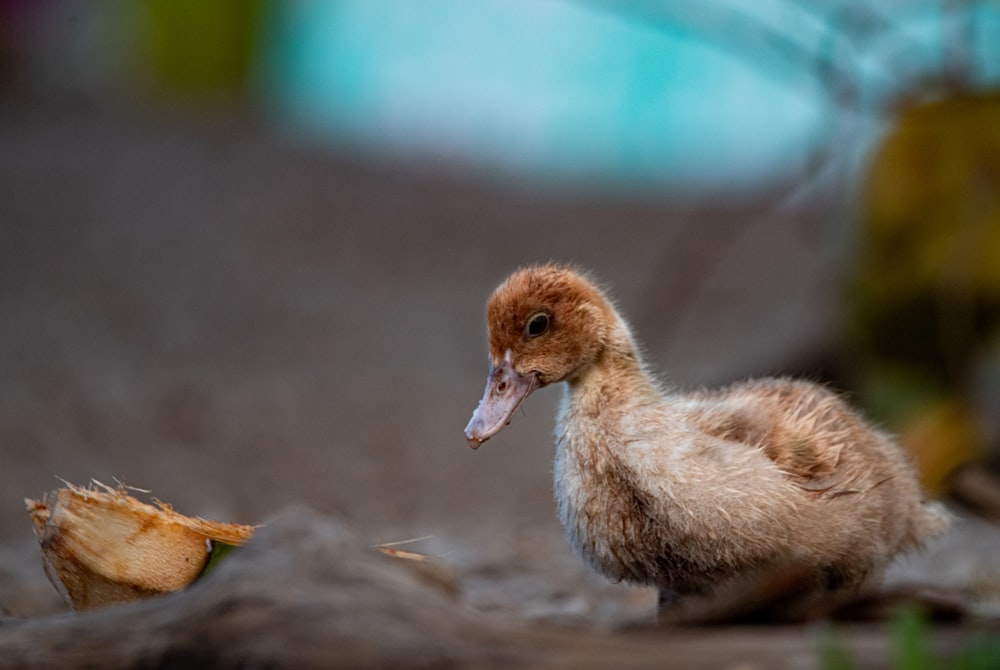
101,546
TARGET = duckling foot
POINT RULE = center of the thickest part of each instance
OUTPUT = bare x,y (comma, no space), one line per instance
665,606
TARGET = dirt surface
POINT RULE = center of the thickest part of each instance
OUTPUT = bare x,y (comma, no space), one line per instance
240,321
306,593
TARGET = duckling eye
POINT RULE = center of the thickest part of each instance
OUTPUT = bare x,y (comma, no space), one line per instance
537,325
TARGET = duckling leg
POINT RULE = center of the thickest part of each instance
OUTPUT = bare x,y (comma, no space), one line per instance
664,601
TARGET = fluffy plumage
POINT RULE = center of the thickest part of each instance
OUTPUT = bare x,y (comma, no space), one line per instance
696,492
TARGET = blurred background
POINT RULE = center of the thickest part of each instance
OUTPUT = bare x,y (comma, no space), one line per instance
245,245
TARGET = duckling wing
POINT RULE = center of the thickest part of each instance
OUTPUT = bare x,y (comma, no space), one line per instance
803,428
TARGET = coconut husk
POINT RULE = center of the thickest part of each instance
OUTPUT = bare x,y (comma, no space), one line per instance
101,546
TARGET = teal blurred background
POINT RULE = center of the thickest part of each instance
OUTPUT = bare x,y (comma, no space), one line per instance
634,95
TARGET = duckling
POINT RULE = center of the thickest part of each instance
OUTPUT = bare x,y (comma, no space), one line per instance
696,492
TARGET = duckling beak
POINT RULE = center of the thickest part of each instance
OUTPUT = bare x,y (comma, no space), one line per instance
505,389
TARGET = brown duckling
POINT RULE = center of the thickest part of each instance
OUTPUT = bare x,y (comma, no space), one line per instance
696,492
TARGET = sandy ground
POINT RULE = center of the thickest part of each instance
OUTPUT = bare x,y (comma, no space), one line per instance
240,321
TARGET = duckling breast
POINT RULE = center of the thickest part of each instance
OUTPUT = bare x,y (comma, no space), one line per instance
644,501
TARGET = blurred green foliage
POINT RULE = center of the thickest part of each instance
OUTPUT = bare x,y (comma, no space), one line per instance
924,300
199,48
909,633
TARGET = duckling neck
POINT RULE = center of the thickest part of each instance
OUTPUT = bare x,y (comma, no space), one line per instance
617,372
603,404
603,411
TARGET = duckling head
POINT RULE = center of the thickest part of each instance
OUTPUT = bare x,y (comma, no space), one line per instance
547,324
